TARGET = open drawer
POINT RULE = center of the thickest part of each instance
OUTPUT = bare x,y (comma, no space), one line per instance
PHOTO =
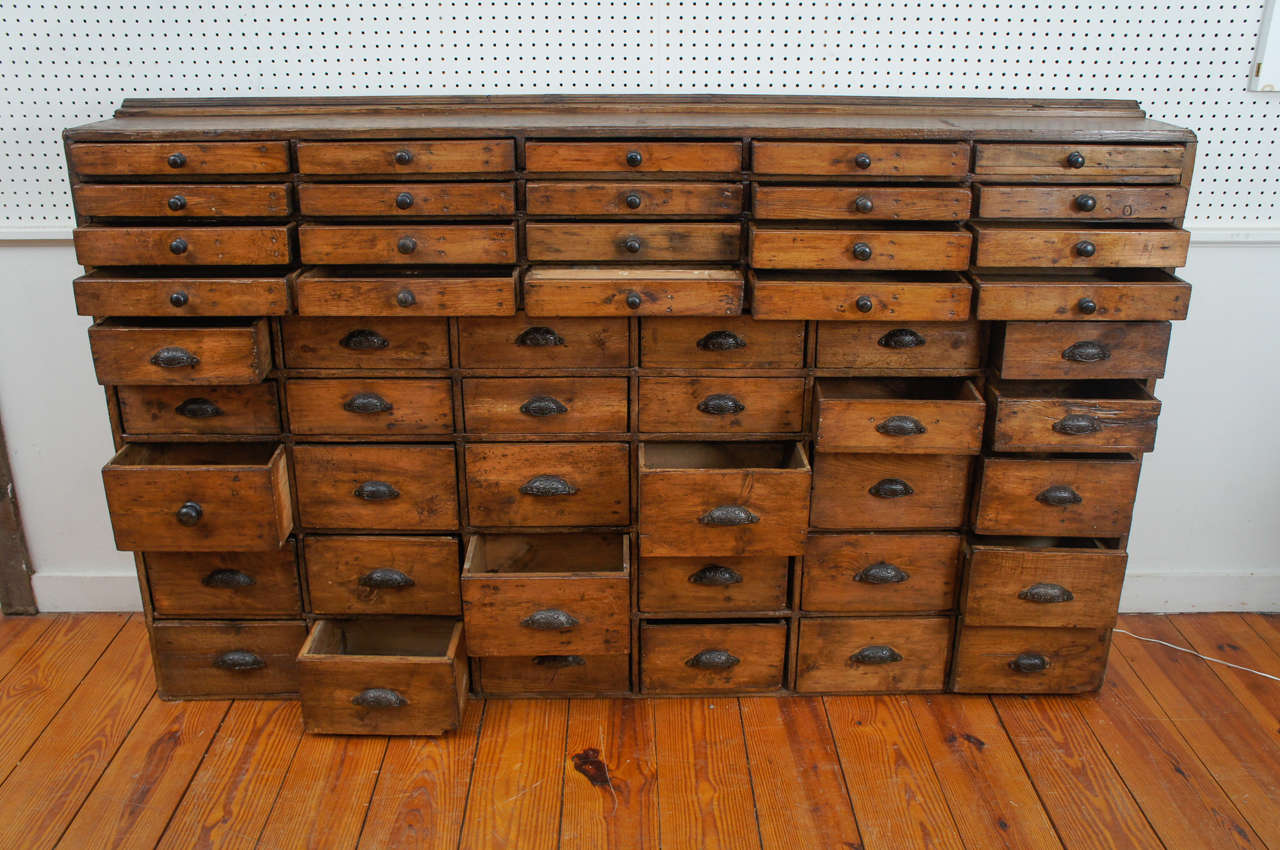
911,416
1072,416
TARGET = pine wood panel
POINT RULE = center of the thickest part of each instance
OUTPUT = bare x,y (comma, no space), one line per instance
1228,636
17,634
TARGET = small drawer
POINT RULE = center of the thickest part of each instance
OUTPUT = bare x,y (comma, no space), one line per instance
842,248
547,594
1029,661
880,573
392,292
872,203
365,343
390,487
466,156
251,409
1071,497
634,241
738,342
632,291
888,348
912,416
193,245
520,342
199,497
370,406
383,574
870,296
451,244
861,159
1055,350
239,585
889,491
1124,295
191,294
1034,246
196,200
393,676
633,200
1072,416
537,485
545,405
514,675
175,159
636,156
723,498
1042,582
406,200
1033,162
690,585
698,658
201,660
162,351
873,654
1087,202
728,405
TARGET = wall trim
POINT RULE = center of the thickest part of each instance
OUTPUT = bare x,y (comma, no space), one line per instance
1176,592
86,592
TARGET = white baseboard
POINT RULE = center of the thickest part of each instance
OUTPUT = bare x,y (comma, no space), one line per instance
1182,592
72,592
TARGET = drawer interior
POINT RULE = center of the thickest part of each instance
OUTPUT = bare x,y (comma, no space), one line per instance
525,554
722,456
179,324
196,454
417,637
868,278
1068,544
1114,390
914,389
408,274
1079,276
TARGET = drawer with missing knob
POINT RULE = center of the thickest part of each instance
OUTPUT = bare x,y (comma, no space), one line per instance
900,348
1042,582
384,487
183,410
1092,295
393,292
1086,202
205,660
634,241
868,296
1072,416
691,585
712,657
176,159
730,342
239,585
535,485
365,343
728,405
633,199
522,342
650,291
889,491
433,244
357,575
395,157
1086,496
545,405
188,293
898,249
192,200
1023,162
880,573
193,245
376,406
995,660
1080,350
1098,246
406,200
639,157
872,203
905,416
861,159
873,654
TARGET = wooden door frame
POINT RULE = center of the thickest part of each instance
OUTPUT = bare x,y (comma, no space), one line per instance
16,596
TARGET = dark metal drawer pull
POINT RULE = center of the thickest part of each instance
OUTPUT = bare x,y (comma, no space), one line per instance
721,341
178,246
862,160
363,339
177,160
178,299
385,578
1029,662
406,298
1085,248
716,575
727,515
189,514
404,200
367,403
634,200
1087,306
861,251
882,573
406,244
1075,424
1086,203
876,654
863,204
177,203
864,304
1075,159
721,404
634,159
1058,495
376,491
174,357
1086,351
403,157
198,408
539,337
901,338
550,620
228,579
634,300
890,488
1046,593
239,660
379,698
547,485
559,661
632,245
543,405
901,426
713,659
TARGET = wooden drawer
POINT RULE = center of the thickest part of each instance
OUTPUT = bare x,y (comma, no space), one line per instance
697,658
109,294
873,654
870,296
365,343
1128,295
841,248
411,243
547,594
395,676
1087,202
872,203
913,416
548,484
250,409
1032,162
370,406
406,200
634,241
162,351
175,159
723,498
545,405
194,200
728,405
738,342
1006,246
554,674
888,348
1062,496
382,574
627,291
688,585
634,156
331,292
519,342
204,660
192,245
889,491
1052,350
861,159
1050,583
466,156
199,497
880,573
391,487
1029,661
631,199
1072,416
242,585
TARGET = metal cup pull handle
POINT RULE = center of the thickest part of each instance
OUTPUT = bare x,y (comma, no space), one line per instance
876,654
228,579
713,659
547,485
379,698
1058,495
1046,593
239,660
550,620
881,573
385,578
716,575
728,515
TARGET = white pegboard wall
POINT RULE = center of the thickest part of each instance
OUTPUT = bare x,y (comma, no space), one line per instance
1188,63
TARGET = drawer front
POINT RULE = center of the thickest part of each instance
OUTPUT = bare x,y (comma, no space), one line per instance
712,658
1047,588
947,348
738,342
502,614
411,295
729,405
901,250
196,660
383,575
544,405
1042,247
678,242
366,343
554,674
633,199
888,418
194,200
416,244
880,573
251,409
861,159
1088,202
519,342
392,487
468,156
889,491
183,246
873,654
1018,161
689,585
370,406
243,585
640,292
777,296
548,484
1082,421
105,294
1071,498
873,203
175,159
1052,350
635,156
406,199
130,354
1045,300
1029,661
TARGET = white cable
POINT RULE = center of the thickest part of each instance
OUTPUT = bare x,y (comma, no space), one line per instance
1198,655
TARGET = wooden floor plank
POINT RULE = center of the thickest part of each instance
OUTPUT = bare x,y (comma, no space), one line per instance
1266,626
896,795
1229,637
991,798
610,776
519,775
17,634
421,794
801,799
704,784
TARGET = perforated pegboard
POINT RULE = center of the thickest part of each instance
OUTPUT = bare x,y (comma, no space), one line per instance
68,63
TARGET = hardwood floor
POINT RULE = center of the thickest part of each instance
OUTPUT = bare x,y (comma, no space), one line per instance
1173,752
